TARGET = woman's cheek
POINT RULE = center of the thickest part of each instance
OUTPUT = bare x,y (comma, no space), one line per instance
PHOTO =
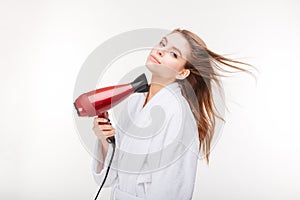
173,65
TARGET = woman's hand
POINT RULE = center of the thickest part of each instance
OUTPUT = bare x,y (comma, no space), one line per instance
103,131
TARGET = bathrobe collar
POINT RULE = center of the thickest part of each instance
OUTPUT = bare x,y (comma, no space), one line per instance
163,93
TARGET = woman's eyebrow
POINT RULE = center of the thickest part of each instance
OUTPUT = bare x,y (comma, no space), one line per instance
173,46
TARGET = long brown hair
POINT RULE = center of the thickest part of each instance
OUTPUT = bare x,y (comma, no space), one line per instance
201,63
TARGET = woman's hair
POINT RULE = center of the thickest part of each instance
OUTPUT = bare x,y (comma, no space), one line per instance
201,63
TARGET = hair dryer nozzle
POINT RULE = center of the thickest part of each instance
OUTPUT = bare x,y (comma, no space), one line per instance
140,84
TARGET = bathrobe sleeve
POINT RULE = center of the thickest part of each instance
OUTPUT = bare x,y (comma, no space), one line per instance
176,181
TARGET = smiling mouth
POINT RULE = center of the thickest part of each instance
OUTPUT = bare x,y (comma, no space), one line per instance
155,59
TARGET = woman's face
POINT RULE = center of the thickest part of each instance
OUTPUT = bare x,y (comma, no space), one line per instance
168,58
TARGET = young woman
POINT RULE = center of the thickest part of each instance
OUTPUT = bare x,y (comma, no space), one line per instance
170,125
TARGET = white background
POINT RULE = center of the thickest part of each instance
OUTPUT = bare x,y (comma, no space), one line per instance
44,43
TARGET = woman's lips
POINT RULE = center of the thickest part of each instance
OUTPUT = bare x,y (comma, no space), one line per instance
155,59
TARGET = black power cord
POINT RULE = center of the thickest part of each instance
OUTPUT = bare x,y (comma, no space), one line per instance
114,146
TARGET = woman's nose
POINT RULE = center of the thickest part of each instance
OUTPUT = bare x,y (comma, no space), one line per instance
160,52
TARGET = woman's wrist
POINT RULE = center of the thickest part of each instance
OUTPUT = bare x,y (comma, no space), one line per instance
103,140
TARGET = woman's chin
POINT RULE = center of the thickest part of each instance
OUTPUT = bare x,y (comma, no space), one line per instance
152,66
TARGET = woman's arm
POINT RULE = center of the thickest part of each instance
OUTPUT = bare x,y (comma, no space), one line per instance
103,154
103,145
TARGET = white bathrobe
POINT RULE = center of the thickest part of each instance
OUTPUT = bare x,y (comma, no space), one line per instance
156,149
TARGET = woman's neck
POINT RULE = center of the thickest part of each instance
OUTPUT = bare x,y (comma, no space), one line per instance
154,88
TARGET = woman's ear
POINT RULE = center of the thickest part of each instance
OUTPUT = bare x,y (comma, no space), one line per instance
183,74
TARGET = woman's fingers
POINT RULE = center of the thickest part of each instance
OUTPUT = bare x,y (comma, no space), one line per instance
105,127
104,134
109,133
99,119
104,130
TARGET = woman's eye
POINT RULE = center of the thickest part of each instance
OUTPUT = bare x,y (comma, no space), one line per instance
174,54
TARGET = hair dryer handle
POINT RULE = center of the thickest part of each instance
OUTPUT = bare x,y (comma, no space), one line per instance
105,115
111,139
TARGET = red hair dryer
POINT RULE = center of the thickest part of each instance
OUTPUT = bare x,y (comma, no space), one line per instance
97,102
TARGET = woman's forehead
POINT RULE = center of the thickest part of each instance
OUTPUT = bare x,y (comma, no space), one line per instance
177,40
